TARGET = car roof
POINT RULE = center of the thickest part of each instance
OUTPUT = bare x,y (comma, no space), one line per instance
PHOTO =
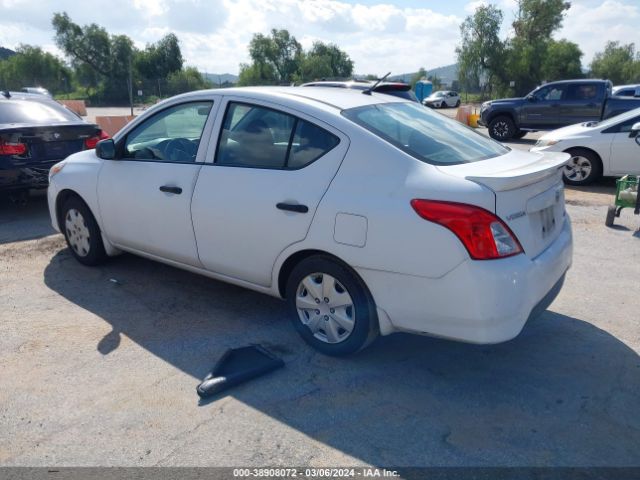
620,87
577,80
326,98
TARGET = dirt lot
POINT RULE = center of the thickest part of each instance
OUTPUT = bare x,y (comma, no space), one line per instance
97,372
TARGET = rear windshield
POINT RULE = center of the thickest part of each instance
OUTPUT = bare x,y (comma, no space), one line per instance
29,111
424,134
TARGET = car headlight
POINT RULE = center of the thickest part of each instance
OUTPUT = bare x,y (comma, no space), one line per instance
56,169
546,142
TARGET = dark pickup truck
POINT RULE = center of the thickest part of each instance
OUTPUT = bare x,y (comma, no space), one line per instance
553,105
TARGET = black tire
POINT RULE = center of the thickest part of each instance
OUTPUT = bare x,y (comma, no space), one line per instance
520,134
457,103
611,216
585,167
95,254
502,128
443,104
365,326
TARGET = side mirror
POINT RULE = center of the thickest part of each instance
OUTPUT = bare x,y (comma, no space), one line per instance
106,149
531,98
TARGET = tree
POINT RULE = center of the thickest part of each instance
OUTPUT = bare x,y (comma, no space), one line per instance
186,80
279,59
535,22
279,53
160,59
31,66
480,54
419,75
327,58
618,63
562,61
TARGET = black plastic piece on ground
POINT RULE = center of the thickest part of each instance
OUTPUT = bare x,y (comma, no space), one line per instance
236,366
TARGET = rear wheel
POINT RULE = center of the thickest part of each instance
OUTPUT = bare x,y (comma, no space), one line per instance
82,233
457,103
501,128
330,306
583,168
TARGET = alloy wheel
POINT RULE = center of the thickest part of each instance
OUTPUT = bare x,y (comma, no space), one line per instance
578,169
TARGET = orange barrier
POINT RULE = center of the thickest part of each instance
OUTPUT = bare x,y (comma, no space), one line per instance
112,124
462,115
77,106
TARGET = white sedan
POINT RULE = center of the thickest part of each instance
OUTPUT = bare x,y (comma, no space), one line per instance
597,149
369,214
442,99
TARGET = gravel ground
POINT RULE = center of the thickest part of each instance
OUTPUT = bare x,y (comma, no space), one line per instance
103,372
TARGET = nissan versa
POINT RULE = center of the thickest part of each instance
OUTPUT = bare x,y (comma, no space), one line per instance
367,212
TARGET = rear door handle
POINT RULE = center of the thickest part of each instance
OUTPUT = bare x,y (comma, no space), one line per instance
168,189
292,207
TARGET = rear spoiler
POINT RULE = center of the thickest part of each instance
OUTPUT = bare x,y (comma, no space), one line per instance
549,165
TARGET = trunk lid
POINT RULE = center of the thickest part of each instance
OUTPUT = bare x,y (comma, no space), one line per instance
47,143
529,193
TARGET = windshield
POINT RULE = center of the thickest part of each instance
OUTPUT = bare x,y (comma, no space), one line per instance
28,111
617,119
425,135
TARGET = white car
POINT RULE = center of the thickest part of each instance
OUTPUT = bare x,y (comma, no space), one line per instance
442,99
368,213
597,149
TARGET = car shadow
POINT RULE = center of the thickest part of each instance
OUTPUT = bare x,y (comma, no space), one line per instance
24,220
564,392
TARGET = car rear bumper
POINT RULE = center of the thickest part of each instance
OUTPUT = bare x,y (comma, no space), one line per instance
25,177
478,301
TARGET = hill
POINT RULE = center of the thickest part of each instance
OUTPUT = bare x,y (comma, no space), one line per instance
446,74
221,78
6,53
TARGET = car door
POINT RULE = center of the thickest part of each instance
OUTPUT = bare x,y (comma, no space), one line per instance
270,170
145,194
625,152
583,102
542,109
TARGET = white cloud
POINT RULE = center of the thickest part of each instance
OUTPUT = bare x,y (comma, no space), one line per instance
215,34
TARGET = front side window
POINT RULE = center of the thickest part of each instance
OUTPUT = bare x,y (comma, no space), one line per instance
550,93
260,137
425,135
173,135
624,126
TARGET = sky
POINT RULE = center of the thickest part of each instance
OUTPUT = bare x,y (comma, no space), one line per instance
379,36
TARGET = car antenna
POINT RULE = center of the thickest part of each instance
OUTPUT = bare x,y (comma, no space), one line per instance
372,87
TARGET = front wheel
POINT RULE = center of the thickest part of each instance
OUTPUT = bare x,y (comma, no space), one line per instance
583,168
502,128
330,306
82,233
520,134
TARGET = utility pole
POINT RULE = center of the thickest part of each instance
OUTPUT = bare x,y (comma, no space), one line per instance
131,85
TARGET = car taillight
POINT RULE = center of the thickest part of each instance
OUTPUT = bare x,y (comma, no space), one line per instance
482,233
9,148
91,142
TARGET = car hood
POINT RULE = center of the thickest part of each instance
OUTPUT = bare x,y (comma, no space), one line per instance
506,101
577,130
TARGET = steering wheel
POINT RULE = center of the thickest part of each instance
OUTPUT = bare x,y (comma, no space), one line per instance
180,150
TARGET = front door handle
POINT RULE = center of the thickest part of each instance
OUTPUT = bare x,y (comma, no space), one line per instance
168,189
292,207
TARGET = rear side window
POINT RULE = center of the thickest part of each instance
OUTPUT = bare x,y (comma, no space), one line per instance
425,135
260,137
32,112
584,91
